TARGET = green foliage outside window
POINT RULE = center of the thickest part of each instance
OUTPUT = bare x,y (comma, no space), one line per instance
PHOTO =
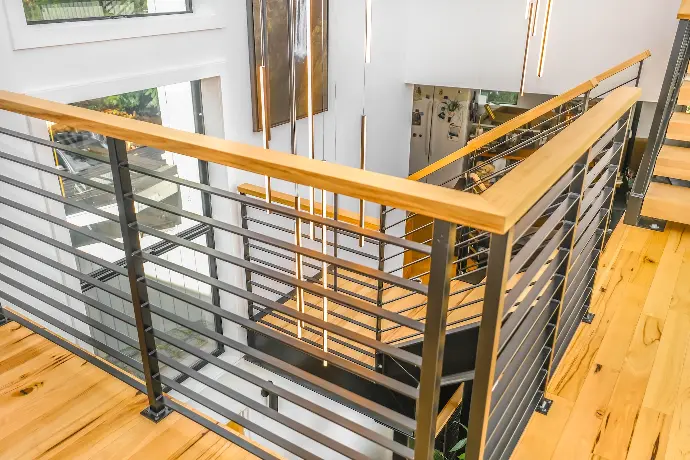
61,10
141,105
501,97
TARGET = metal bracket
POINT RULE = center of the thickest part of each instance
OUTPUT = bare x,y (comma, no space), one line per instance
588,318
4,320
544,405
652,224
156,417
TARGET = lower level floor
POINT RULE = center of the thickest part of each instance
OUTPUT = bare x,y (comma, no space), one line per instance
622,390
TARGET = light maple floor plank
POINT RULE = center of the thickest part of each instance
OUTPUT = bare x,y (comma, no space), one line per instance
623,388
55,405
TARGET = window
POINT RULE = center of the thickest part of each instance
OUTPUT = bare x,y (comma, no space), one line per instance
500,97
173,106
42,11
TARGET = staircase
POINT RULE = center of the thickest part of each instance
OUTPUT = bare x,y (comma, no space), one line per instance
661,191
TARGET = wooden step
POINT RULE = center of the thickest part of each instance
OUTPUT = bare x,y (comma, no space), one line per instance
667,202
673,162
679,128
684,95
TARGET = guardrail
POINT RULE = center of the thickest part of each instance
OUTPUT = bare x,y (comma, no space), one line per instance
543,223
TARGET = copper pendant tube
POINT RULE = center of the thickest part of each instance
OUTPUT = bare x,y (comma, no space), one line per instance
292,30
544,38
264,83
530,27
362,166
310,105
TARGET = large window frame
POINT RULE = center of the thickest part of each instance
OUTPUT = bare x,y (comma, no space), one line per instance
206,15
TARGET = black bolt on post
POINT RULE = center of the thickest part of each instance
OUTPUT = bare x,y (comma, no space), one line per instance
122,183
441,271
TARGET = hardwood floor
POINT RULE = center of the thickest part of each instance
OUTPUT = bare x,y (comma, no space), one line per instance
55,405
623,388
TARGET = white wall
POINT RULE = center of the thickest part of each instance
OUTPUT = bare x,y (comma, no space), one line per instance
475,44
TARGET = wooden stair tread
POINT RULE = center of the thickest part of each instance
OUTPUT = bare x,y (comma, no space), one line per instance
673,162
679,127
667,202
418,313
684,95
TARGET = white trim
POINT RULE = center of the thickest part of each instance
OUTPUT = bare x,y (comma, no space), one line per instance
25,36
82,91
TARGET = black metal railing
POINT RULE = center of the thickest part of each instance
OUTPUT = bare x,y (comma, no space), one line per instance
336,312
135,335
538,295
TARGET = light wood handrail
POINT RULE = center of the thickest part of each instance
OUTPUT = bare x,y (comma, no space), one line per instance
286,199
623,66
684,10
437,202
522,187
526,117
495,211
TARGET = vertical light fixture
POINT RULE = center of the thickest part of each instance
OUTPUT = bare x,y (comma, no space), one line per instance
263,89
298,269
363,133
367,42
362,166
263,81
324,268
324,193
544,38
292,90
532,18
310,106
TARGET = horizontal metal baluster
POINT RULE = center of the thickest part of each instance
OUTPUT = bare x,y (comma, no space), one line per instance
287,280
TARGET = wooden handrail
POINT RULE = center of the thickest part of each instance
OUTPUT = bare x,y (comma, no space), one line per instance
429,200
526,117
497,210
623,66
286,199
522,187
684,10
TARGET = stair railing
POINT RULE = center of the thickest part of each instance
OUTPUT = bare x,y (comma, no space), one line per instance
545,221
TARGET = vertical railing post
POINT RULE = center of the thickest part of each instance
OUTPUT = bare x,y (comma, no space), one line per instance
379,287
246,254
122,183
440,274
500,249
675,73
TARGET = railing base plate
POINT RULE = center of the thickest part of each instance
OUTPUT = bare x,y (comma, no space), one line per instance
651,224
588,318
156,417
544,406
